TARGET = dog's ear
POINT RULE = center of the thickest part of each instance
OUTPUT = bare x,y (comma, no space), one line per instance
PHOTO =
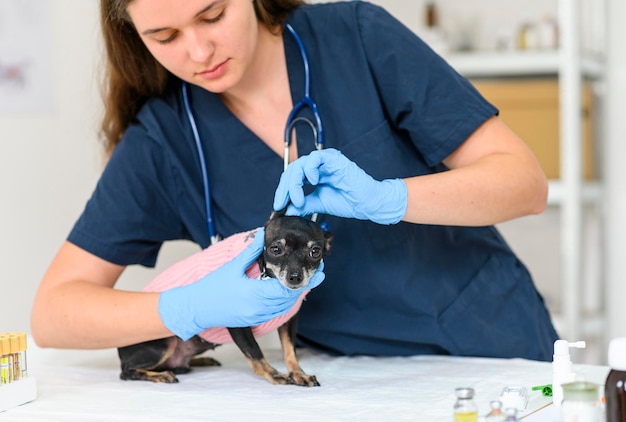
279,213
328,242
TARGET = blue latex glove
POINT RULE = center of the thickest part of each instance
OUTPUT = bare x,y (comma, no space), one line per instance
227,297
342,189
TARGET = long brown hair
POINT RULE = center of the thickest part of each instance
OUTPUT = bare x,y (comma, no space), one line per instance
132,75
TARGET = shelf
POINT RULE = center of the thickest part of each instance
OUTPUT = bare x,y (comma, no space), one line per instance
591,192
572,194
592,326
517,63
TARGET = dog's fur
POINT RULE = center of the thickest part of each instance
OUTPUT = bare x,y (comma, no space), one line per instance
294,248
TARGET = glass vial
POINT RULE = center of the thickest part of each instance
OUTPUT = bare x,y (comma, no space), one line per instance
465,409
580,402
615,386
496,414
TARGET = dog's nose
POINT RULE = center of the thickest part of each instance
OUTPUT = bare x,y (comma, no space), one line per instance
295,277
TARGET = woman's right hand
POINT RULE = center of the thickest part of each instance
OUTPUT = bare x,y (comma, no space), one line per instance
227,297
342,189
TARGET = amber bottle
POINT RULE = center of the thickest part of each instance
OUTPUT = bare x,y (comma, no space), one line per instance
615,386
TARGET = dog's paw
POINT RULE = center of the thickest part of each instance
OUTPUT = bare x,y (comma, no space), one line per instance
300,378
167,377
279,378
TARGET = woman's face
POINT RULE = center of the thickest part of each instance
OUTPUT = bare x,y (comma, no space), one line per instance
210,43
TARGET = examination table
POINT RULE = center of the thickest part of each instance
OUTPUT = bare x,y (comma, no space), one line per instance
85,386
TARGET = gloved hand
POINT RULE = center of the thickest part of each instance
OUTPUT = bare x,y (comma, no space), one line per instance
227,297
343,189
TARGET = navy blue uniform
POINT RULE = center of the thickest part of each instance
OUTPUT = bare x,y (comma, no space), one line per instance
395,108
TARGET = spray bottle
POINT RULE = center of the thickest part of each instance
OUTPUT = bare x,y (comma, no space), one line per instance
562,370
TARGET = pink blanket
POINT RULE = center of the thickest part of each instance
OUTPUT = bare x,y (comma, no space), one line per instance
201,263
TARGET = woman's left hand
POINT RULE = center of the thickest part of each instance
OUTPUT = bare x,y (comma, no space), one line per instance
342,189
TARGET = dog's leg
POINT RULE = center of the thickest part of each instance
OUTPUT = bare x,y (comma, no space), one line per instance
287,333
144,361
161,360
244,339
148,375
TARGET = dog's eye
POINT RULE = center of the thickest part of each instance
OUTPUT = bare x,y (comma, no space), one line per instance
315,252
276,250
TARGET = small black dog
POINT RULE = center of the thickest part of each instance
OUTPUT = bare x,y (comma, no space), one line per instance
294,248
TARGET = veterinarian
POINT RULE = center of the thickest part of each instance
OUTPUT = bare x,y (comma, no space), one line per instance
415,171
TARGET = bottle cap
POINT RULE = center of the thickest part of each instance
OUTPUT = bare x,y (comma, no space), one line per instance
14,341
617,353
580,391
511,411
23,342
464,392
6,345
495,404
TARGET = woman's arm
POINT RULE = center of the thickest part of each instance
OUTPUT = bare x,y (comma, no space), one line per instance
77,307
493,177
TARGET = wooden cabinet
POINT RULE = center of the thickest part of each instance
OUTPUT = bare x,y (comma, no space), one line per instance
530,106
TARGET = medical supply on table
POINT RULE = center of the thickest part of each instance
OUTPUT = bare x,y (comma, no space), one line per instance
511,415
292,121
581,402
562,370
615,386
546,390
16,387
465,409
514,396
496,414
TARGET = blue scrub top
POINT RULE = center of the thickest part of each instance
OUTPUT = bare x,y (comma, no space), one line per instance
395,108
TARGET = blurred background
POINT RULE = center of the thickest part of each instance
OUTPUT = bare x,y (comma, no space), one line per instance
555,68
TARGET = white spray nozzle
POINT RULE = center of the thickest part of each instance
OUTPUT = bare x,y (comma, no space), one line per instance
561,347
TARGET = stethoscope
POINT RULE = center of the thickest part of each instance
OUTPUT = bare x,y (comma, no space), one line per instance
292,121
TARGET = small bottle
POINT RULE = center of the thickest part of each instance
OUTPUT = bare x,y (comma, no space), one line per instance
615,386
433,34
465,409
547,32
496,414
562,368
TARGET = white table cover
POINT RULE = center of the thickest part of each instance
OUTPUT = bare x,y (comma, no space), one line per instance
85,386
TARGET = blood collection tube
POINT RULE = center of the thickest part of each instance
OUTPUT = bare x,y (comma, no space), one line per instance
23,347
10,355
4,360
14,340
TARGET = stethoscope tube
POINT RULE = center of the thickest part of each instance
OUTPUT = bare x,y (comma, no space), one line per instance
318,128
213,236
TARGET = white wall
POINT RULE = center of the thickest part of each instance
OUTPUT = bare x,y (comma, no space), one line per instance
50,161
